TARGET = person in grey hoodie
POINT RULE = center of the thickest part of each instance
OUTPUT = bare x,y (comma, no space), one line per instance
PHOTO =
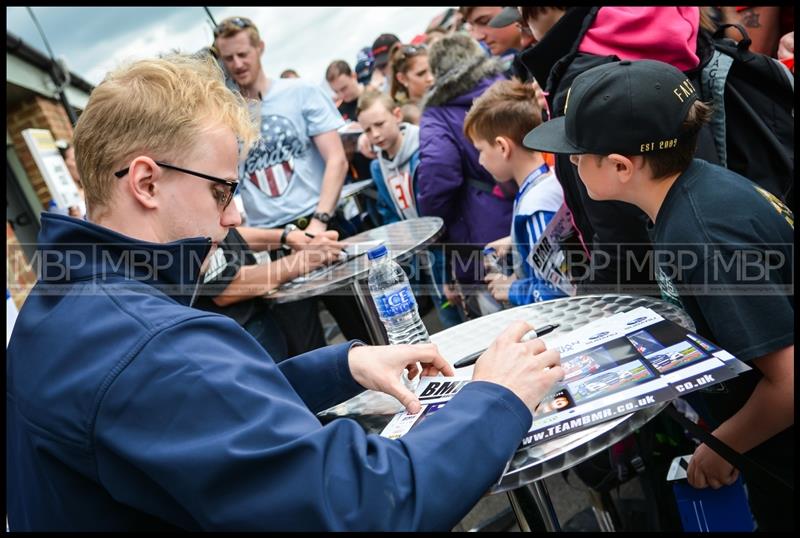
394,173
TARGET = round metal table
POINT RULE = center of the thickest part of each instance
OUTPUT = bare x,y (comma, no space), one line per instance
351,189
522,478
401,238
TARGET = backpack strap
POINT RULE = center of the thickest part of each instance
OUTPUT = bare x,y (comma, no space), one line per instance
755,472
713,77
480,185
744,44
712,88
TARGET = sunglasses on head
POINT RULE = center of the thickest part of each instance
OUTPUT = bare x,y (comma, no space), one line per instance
414,49
237,22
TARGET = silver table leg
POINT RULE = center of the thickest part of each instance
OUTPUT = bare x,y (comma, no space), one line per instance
533,508
604,510
368,313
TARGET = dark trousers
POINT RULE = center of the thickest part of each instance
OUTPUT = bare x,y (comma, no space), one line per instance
265,329
286,330
299,322
346,312
342,306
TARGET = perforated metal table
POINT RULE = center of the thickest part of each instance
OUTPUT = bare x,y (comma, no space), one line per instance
401,238
523,477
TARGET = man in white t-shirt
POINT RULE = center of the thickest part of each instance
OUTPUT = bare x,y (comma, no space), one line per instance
298,169
293,175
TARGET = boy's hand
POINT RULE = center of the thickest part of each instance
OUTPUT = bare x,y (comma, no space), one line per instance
499,285
707,468
452,295
502,246
365,148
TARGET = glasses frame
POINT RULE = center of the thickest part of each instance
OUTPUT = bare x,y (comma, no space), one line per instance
233,186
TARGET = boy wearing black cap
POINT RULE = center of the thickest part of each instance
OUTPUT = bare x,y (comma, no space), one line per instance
723,250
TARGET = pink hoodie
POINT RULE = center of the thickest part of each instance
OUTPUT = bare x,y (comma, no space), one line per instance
668,34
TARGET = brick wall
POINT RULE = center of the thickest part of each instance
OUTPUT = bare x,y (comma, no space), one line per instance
20,277
37,113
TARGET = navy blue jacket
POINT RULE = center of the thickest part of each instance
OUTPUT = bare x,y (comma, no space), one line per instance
127,409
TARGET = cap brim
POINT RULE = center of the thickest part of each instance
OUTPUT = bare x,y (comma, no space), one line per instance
508,16
551,137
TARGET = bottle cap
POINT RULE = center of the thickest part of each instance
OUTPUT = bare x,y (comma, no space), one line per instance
377,252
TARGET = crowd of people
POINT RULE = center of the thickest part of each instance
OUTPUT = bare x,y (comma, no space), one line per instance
178,398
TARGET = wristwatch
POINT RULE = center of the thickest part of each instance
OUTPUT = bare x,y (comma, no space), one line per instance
286,230
322,217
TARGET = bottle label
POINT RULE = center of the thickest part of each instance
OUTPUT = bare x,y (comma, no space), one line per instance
399,301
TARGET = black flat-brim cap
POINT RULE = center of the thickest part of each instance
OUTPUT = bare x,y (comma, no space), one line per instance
628,107
551,136
508,16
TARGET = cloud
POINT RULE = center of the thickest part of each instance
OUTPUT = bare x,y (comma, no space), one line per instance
95,40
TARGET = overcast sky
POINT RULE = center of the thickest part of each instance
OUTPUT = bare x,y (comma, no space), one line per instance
93,40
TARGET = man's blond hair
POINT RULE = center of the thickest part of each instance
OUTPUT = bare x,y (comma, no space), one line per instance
155,107
233,25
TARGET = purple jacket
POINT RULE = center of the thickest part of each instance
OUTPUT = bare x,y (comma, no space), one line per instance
447,159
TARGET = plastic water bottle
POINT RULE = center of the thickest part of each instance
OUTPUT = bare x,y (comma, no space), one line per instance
394,299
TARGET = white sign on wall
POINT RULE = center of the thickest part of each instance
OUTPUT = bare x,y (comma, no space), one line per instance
52,166
11,315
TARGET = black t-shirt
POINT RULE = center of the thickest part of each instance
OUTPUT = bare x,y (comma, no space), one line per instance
348,110
723,251
358,164
232,254
736,243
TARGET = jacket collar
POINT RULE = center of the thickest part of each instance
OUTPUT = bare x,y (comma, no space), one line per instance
71,250
560,40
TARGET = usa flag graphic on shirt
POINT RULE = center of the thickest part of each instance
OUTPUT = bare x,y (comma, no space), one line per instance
270,164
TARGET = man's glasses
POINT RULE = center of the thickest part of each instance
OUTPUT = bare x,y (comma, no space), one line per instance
223,197
236,22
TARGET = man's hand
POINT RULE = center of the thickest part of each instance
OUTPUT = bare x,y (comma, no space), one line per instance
321,250
707,468
525,368
316,227
499,285
298,240
502,246
380,367
365,148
